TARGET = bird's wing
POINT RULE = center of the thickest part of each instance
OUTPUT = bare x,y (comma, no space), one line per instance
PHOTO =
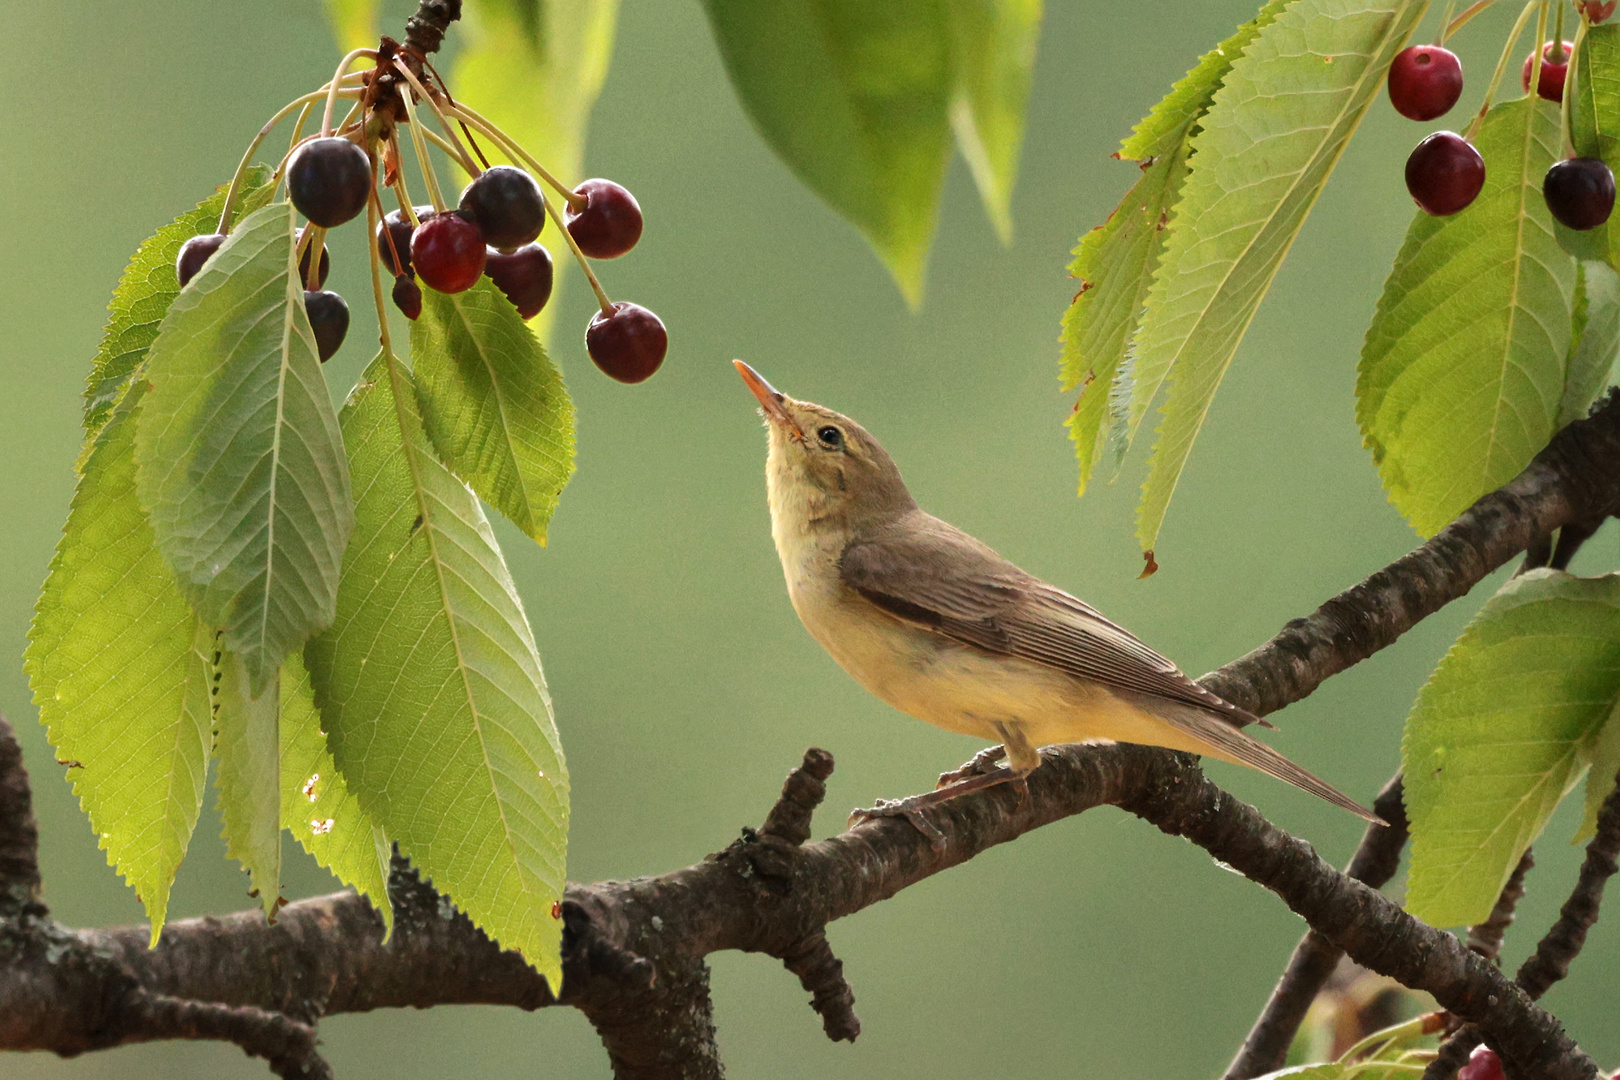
980,599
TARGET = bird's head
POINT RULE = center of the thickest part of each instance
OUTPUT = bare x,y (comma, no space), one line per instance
823,468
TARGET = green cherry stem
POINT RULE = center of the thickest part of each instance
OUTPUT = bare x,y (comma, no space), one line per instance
1467,14
1445,25
510,145
337,81
401,193
1508,50
454,153
1558,54
374,218
420,144
292,144
1566,127
444,122
579,256
314,239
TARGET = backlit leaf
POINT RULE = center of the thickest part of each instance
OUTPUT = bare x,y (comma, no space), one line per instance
1464,365
1277,126
994,43
239,459
121,676
430,687
1600,778
1592,356
1115,261
1505,727
493,404
1594,107
249,779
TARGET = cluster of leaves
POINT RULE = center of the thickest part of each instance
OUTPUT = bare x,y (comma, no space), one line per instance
311,598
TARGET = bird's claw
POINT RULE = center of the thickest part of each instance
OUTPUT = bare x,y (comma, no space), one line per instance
906,808
980,764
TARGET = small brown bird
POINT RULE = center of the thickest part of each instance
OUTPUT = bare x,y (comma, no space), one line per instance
942,628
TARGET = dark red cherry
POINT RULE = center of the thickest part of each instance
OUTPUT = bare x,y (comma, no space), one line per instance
508,206
1444,173
610,223
400,227
1483,1064
1551,83
303,265
195,252
523,275
1425,81
448,252
1579,192
629,344
329,180
329,318
408,296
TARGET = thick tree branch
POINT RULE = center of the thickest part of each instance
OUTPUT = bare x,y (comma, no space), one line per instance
19,836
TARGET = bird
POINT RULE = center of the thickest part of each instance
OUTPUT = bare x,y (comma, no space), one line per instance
941,627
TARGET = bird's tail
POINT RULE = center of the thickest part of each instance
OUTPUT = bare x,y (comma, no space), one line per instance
1231,743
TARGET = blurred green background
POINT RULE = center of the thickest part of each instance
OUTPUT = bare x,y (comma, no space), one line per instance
685,687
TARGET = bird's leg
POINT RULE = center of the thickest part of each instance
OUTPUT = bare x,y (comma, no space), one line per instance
980,764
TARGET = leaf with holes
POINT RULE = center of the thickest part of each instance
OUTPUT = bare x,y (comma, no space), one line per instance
120,674
249,780
1272,135
1505,727
493,404
430,686
1464,365
238,456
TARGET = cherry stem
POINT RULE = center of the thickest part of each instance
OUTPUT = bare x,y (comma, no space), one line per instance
1445,25
454,153
579,256
314,239
1558,55
1467,14
337,81
1508,49
517,153
374,218
1566,127
433,102
434,194
297,134
235,190
401,192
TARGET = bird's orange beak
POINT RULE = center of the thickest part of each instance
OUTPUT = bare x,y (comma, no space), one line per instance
770,399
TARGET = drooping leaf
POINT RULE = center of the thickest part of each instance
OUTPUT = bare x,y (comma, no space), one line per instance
145,291
1505,727
248,746
354,22
1276,128
430,686
534,68
239,459
1600,777
1594,106
1464,365
1115,261
120,675
316,804
1592,355
994,44
854,97
493,404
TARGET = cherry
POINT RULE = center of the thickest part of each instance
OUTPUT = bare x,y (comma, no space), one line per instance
329,180
329,318
508,206
408,296
1579,192
1594,10
629,344
448,251
1425,81
1483,1064
523,275
397,223
195,252
609,225
1444,173
303,264
1551,83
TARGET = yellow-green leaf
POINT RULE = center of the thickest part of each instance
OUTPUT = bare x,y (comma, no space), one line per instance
994,42
248,746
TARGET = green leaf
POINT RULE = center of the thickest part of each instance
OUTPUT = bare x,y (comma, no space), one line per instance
120,675
354,22
994,44
1277,126
1591,357
1504,728
854,97
1600,777
1464,365
1594,107
316,804
534,69
144,293
493,404
430,686
248,746
1115,262
239,459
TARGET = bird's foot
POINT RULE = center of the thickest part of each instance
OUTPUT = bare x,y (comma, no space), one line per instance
912,806
981,763
906,808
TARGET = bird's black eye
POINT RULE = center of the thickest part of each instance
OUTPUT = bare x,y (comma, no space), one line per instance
830,437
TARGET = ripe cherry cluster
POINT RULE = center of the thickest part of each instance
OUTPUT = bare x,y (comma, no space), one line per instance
492,231
1445,173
